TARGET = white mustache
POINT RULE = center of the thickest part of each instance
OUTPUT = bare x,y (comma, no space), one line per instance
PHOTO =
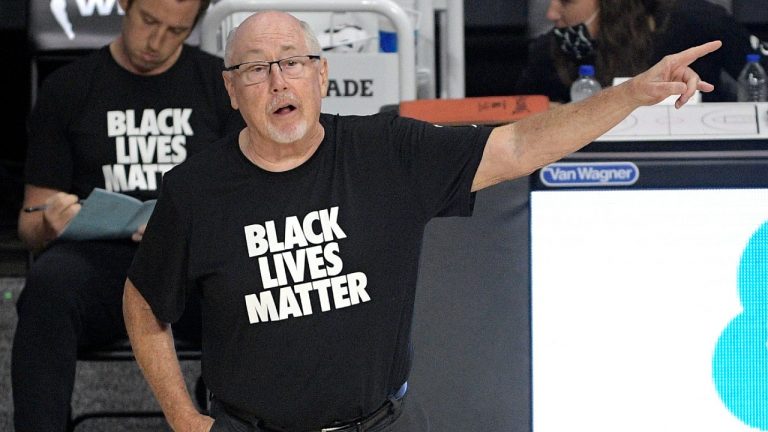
281,101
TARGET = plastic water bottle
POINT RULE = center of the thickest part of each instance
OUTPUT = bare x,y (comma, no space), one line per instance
586,85
752,83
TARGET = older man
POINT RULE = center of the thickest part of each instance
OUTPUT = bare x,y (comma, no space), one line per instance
303,233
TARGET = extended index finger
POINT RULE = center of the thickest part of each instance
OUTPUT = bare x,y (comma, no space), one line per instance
686,57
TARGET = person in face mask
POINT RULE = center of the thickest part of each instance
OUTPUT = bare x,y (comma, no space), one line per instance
576,40
623,37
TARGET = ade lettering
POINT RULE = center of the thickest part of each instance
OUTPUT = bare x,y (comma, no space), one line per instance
350,88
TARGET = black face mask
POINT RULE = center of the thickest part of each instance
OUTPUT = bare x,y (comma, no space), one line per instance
575,41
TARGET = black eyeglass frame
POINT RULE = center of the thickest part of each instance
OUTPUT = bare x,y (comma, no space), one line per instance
270,63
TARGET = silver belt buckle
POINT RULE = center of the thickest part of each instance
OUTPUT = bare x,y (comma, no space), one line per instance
358,426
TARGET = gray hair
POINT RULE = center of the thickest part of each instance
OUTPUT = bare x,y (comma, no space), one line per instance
309,38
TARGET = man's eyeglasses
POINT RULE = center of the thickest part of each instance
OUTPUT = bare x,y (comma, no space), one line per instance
258,71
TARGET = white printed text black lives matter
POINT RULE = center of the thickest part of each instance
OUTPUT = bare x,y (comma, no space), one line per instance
300,263
145,147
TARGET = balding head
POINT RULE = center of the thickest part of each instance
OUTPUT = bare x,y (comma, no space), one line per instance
262,20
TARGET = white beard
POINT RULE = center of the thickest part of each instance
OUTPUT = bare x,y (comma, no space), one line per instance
292,134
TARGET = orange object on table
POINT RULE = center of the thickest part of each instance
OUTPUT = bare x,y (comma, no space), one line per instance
485,110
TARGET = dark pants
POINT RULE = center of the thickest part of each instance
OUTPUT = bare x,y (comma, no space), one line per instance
72,299
412,418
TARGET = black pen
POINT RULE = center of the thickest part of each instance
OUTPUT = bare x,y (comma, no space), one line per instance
41,207
35,208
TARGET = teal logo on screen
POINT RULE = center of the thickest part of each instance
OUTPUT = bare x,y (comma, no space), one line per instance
740,364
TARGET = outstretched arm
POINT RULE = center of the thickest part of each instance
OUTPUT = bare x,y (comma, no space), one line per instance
153,346
518,149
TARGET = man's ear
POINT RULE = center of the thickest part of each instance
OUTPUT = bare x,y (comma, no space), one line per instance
230,86
323,77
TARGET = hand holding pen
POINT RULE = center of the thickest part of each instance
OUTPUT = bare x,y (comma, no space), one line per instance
57,210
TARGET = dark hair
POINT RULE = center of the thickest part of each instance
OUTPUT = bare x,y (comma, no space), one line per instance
624,39
200,12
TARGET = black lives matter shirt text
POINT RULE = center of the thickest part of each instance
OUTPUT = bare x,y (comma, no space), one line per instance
145,147
301,264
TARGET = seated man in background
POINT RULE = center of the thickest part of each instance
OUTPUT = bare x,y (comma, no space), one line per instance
114,119
303,234
621,38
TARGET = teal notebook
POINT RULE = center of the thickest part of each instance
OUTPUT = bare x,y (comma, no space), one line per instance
108,215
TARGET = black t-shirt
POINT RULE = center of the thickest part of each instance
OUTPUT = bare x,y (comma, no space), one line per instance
95,124
307,276
691,23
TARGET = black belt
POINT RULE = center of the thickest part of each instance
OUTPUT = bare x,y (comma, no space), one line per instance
390,408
